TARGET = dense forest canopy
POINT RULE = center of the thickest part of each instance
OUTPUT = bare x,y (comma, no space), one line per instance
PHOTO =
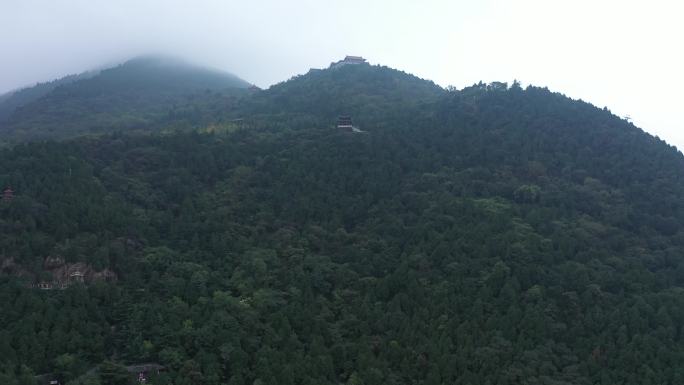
492,235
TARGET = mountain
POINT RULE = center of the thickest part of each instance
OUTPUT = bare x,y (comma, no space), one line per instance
493,234
131,96
353,89
11,101
374,95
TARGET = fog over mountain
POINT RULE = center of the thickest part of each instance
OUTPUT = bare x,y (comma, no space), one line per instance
618,54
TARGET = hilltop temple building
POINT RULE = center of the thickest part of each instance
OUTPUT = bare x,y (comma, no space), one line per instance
348,60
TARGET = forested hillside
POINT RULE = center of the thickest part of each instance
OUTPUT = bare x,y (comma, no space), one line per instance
370,93
492,235
134,96
12,100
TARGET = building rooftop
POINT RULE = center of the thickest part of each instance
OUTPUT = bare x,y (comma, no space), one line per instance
348,60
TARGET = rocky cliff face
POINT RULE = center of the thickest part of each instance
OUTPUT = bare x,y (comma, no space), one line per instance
78,272
57,274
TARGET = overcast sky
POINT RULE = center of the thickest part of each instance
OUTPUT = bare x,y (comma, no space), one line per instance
626,55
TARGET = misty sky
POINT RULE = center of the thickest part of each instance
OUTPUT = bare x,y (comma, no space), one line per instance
626,55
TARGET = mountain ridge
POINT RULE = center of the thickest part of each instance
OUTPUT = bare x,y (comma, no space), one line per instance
131,96
14,99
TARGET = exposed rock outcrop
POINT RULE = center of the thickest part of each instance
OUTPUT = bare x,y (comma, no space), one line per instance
64,274
57,273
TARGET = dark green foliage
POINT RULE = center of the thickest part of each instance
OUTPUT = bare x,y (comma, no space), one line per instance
489,235
134,96
370,93
113,374
10,101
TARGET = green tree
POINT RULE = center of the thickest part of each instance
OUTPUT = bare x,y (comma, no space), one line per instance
114,374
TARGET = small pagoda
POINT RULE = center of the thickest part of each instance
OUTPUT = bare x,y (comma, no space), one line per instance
77,276
344,123
7,194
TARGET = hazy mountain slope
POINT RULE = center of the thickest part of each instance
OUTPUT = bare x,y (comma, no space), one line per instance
490,235
366,92
131,96
10,101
